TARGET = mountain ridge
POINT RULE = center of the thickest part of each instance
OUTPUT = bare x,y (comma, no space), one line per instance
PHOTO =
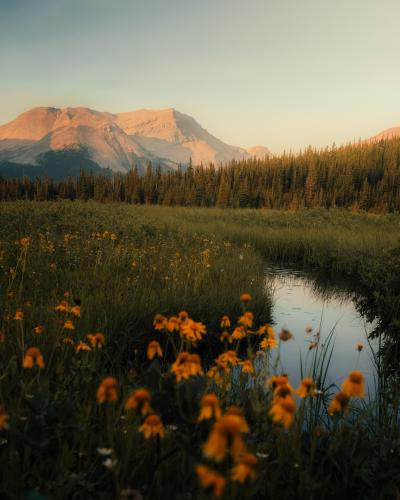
118,141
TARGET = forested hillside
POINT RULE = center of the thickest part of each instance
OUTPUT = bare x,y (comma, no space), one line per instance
362,176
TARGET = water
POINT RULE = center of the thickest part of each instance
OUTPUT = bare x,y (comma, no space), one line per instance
300,304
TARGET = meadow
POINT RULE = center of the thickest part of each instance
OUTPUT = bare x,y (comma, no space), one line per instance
135,355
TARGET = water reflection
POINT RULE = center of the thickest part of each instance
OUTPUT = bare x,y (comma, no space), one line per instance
305,307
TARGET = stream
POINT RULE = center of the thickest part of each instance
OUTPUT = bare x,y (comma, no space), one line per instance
305,308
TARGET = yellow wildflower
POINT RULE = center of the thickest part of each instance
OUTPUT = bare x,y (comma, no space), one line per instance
209,407
225,322
307,388
247,366
69,325
159,322
139,400
339,404
283,410
211,480
97,340
268,343
173,324
226,438
353,386
76,311
247,319
19,315
192,331
33,356
245,298
152,427
108,390
239,333
82,346
38,329
245,469
186,365
154,349
62,306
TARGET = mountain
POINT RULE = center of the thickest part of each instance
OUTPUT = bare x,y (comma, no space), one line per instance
389,133
115,141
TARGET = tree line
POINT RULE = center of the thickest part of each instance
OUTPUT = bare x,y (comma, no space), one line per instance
362,176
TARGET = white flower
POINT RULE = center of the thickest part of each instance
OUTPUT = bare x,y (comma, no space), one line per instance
110,463
261,455
104,451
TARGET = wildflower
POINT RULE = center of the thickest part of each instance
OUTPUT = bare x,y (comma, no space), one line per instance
62,306
186,365
353,386
110,463
210,479
82,346
360,347
183,316
214,374
245,298
173,324
247,366
247,319
286,335
69,325
227,358
226,337
113,237
139,400
307,388
308,330
225,322
193,331
108,390
97,340
38,329
268,330
245,469
154,349
268,343
239,333
159,322
19,315
33,356
68,340
312,346
76,311
282,411
226,438
104,451
152,427
278,380
339,404
209,407
25,242
4,417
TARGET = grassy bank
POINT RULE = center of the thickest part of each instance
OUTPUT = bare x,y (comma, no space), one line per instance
81,283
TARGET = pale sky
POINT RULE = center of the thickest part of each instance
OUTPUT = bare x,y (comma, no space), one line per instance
282,73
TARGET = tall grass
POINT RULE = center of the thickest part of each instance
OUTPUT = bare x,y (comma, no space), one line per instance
122,265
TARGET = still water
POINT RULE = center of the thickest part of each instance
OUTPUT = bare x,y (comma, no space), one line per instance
301,305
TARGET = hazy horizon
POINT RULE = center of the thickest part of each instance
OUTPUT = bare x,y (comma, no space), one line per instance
274,73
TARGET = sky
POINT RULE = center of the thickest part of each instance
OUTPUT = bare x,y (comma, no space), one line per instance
282,73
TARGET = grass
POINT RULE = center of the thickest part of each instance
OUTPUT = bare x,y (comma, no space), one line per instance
122,265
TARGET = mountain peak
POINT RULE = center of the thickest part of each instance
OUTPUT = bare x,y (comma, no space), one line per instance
117,140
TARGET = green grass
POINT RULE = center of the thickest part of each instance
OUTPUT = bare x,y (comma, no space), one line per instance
165,260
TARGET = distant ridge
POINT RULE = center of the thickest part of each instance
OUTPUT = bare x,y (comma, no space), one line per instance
116,141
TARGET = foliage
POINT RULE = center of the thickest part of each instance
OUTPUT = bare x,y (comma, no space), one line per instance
88,295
